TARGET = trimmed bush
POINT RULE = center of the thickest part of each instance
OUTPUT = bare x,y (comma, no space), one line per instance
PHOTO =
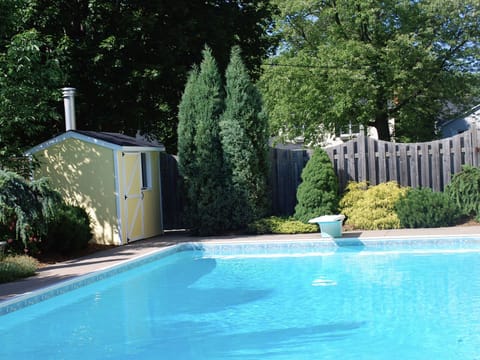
372,207
318,193
424,208
17,267
276,225
464,190
69,231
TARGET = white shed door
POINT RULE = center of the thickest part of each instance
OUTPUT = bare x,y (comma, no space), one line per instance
133,196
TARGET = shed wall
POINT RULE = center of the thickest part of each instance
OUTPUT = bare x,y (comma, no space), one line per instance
84,174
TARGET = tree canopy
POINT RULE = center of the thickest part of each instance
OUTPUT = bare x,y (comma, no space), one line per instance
129,60
367,61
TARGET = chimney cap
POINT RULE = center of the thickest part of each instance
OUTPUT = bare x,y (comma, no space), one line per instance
68,91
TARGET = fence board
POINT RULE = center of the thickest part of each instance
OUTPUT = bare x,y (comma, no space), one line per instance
424,160
392,161
382,165
351,148
372,162
446,165
436,164
456,152
475,147
362,159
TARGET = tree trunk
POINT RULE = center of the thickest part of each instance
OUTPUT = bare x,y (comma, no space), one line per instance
381,124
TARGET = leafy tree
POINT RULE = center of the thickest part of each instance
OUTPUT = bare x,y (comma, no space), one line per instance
317,195
30,78
130,59
245,143
365,62
201,160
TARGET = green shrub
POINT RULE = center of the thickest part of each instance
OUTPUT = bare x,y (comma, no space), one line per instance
318,193
371,207
68,231
25,207
276,225
17,267
425,208
464,190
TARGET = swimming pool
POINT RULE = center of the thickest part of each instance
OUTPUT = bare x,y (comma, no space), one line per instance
394,299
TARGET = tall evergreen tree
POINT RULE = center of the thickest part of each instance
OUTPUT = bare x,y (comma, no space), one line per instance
245,143
187,122
207,183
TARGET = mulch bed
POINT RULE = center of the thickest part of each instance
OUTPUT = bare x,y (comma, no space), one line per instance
53,258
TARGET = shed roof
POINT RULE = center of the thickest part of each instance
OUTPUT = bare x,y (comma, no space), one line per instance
117,139
107,139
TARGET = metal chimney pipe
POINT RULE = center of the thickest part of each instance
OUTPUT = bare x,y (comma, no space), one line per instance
69,103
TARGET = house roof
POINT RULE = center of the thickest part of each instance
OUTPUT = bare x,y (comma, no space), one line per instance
109,140
461,123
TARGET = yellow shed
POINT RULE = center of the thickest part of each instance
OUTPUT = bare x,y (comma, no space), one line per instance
115,177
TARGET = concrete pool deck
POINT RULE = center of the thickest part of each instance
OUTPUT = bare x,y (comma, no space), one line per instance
62,271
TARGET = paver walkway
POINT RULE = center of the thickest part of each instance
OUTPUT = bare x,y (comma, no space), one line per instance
59,272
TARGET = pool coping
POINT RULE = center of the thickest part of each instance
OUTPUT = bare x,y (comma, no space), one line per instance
16,295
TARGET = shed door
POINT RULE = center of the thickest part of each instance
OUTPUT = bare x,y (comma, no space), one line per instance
133,195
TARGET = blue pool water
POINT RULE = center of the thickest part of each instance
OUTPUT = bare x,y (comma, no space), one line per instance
349,302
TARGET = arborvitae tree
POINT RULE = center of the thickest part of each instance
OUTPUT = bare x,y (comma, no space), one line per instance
207,184
209,177
318,193
187,117
245,143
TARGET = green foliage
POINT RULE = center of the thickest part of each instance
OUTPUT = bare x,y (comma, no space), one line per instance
30,78
464,190
187,116
424,208
201,154
187,123
222,148
245,144
68,230
129,59
276,225
317,195
25,207
372,207
17,267
364,62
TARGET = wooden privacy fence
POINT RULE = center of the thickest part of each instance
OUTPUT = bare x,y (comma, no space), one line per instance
172,193
427,164
286,167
